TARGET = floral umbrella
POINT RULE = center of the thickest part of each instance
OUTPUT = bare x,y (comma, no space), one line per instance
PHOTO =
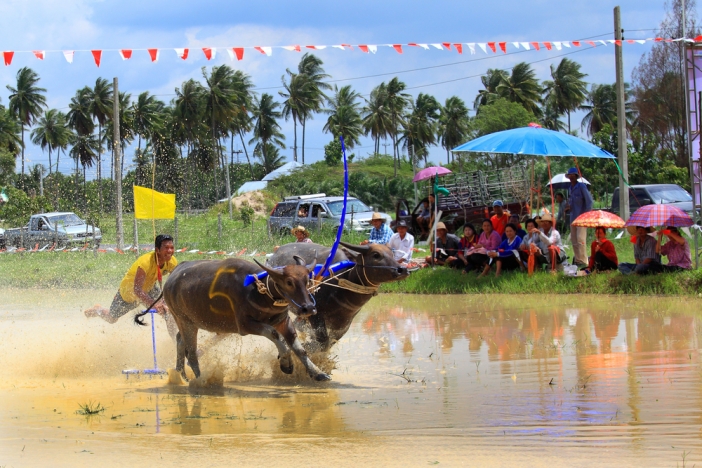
599,218
660,215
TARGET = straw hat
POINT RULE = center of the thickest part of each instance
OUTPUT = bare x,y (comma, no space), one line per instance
545,217
377,215
632,230
441,225
300,229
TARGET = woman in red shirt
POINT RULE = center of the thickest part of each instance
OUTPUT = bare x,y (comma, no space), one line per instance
603,256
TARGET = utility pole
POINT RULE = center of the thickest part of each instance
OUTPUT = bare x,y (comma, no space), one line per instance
386,149
117,148
237,152
621,118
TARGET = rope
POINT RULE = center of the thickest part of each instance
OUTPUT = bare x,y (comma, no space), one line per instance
263,289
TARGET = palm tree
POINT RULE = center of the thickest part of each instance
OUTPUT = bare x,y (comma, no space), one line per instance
601,108
566,91
420,127
299,96
266,129
45,133
344,118
81,122
101,108
397,101
189,108
522,87
9,132
551,117
241,121
147,116
85,148
491,80
126,126
311,67
454,124
270,158
26,101
376,115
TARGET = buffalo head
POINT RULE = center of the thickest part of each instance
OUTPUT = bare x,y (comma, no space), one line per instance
291,283
377,261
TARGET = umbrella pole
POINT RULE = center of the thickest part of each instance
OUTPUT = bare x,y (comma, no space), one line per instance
548,163
531,189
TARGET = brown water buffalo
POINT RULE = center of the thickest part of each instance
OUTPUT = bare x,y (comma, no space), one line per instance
210,295
337,307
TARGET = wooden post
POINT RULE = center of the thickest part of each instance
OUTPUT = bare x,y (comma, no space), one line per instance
55,235
621,120
219,229
136,237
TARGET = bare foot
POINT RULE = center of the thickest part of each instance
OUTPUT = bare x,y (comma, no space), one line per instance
94,311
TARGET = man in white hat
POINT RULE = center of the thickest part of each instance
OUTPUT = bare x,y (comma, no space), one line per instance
447,246
381,233
579,202
402,243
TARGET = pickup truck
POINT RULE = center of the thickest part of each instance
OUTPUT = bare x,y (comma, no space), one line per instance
642,195
63,228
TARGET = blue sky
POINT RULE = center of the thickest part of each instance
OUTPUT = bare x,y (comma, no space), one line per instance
84,25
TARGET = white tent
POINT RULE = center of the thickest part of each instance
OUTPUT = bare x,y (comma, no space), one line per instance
285,169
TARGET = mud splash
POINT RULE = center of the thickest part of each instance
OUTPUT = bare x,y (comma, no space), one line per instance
417,380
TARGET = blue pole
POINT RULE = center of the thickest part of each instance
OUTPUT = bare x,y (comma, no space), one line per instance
340,231
153,336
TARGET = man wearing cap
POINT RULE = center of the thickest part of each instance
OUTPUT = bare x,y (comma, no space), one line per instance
381,233
579,202
500,219
401,243
447,246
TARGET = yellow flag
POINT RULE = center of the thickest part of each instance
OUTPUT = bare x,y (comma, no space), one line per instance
150,204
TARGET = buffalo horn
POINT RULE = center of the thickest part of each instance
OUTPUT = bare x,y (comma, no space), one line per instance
299,260
270,271
310,267
356,248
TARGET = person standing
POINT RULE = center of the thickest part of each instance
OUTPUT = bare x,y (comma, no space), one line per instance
579,202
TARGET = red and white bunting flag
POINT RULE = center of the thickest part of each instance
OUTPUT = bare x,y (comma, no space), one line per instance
576,43
293,48
266,50
592,43
97,55
557,45
516,45
616,42
126,54
316,47
503,47
210,52
602,42
437,46
536,45
566,44
364,48
459,48
373,48
347,45
547,45
423,46
239,52
471,46
182,53
492,46
641,41
338,47
447,45
483,46
525,45
68,55
39,54
398,48
7,56
153,53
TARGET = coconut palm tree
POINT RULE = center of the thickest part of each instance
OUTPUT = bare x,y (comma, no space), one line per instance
420,127
241,121
397,101
9,132
454,124
101,108
311,67
522,87
601,108
79,118
376,116
299,95
189,108
566,90
84,151
344,117
551,117
126,126
26,100
266,129
270,158
491,80
45,133
147,116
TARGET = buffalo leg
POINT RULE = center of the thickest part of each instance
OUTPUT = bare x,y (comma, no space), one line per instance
188,334
180,355
290,335
319,328
252,327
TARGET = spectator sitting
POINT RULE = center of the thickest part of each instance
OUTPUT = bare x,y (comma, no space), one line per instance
676,249
603,256
381,233
647,260
506,255
514,219
488,240
500,219
302,234
533,237
423,218
468,241
401,243
447,246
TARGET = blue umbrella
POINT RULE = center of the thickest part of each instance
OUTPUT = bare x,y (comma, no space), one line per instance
534,141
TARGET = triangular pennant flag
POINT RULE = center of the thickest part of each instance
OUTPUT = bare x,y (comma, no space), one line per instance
230,52
68,55
347,45
182,53
471,46
516,45
447,45
566,44
316,47
424,46
660,39
503,47
126,54
557,45
97,55
210,52
239,52
576,43
630,41
592,43
483,46
153,53
547,45
8,57
536,45
373,48
525,45
437,46
397,47
266,50
602,42
616,42
338,47
459,48
293,48
640,41
39,54
364,48
492,46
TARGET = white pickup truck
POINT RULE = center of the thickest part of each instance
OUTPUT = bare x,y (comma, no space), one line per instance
61,228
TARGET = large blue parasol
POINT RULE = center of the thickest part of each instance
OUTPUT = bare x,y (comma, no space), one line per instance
534,141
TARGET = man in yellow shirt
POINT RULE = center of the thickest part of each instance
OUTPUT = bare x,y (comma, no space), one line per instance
139,284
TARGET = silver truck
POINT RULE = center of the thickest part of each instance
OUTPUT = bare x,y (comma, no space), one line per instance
62,228
313,211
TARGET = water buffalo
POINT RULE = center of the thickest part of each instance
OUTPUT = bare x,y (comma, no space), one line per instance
210,295
336,308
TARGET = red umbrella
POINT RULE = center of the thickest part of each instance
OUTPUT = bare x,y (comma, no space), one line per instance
598,218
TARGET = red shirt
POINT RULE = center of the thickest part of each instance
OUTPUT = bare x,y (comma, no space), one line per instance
499,223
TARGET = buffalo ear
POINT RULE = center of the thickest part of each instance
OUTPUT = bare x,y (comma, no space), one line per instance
299,260
353,256
271,272
356,248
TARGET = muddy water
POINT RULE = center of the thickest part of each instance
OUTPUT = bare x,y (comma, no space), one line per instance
419,380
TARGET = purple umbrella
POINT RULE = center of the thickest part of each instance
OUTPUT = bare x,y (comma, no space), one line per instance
429,172
660,215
